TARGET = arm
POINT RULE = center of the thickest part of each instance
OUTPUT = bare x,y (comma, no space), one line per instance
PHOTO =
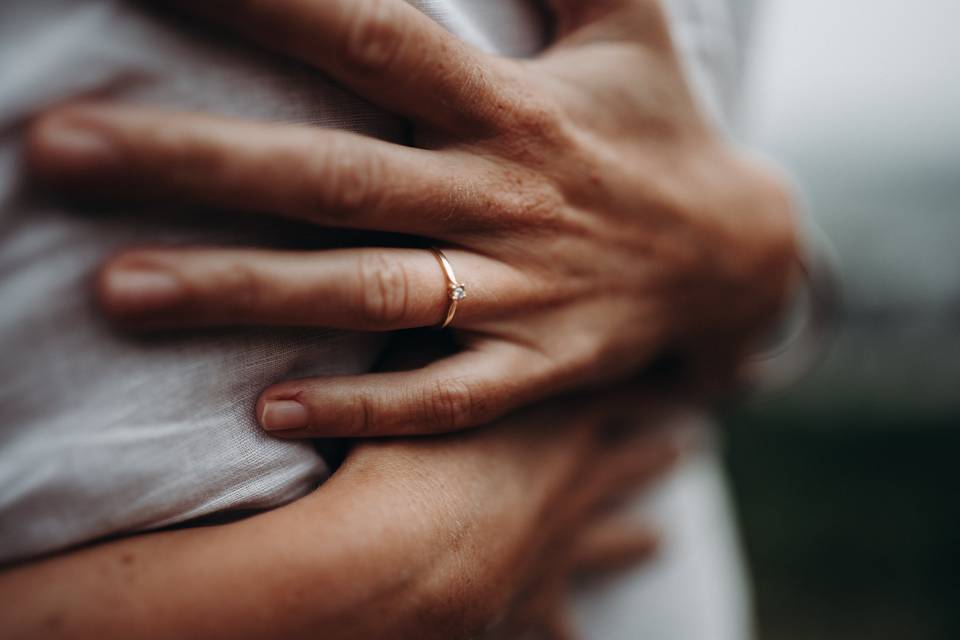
433,538
316,564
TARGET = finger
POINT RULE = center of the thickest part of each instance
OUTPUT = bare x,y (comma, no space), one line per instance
465,390
359,289
385,50
543,614
630,466
612,545
334,178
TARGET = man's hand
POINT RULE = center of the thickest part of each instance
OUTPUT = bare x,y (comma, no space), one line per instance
440,538
534,503
594,216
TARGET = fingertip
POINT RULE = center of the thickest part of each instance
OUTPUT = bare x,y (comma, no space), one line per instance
332,408
287,411
68,143
283,415
127,289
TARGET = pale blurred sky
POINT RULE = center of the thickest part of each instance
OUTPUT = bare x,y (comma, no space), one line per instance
861,98
871,74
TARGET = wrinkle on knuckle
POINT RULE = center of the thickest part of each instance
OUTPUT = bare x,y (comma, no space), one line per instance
245,287
356,414
384,288
535,118
362,417
373,38
351,185
535,125
186,159
521,203
448,404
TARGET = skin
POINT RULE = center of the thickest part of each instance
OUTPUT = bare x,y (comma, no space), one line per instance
596,222
443,537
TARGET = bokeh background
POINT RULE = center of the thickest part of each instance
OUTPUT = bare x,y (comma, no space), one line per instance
848,484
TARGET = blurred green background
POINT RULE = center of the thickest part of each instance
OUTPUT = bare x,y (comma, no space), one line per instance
847,485
850,531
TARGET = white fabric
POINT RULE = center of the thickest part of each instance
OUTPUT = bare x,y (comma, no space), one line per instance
101,433
694,588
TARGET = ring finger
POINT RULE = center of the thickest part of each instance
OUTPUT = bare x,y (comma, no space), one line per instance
374,289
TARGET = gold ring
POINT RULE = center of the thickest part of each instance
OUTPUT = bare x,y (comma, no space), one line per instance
456,290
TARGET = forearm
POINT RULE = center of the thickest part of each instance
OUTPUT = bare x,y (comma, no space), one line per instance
328,564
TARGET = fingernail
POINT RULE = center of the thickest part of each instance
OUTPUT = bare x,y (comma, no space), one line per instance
140,289
284,415
67,141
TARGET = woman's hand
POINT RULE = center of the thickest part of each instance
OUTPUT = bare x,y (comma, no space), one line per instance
426,538
594,217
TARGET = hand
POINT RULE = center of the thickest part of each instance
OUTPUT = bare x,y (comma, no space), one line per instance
426,538
593,215
531,505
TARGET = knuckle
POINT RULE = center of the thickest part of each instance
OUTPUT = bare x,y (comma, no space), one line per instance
527,203
540,205
535,116
362,417
384,287
195,154
771,244
373,37
536,126
352,183
448,404
245,287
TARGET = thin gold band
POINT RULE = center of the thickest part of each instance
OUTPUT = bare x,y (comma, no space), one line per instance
456,290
